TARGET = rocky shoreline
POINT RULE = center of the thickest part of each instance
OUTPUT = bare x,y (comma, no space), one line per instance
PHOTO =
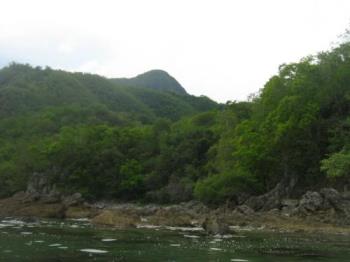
326,211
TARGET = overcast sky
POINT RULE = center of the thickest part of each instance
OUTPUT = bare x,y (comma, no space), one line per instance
225,49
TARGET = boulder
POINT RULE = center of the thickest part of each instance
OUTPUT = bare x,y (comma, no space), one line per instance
289,203
116,218
289,206
39,183
73,200
346,195
172,216
51,198
42,211
25,197
256,202
79,212
245,210
195,207
332,198
215,225
310,202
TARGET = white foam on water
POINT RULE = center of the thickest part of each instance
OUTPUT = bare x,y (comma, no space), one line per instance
39,241
189,229
80,219
5,225
239,260
108,239
175,245
217,240
215,249
14,222
94,251
191,236
148,226
26,233
63,247
55,245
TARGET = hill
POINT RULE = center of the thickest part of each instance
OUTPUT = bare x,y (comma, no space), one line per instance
24,90
154,79
106,140
39,106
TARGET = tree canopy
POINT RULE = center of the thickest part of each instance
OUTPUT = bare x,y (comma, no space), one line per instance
107,140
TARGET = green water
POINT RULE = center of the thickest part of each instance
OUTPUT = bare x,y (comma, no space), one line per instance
53,241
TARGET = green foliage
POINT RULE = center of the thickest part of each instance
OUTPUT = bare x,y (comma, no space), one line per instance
25,89
219,188
337,165
154,79
84,131
299,118
138,139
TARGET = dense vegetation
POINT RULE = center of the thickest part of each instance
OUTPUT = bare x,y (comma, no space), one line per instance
154,79
93,135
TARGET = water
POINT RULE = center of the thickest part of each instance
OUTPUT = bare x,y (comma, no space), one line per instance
54,241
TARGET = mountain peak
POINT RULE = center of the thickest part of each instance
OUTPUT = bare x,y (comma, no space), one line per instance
154,79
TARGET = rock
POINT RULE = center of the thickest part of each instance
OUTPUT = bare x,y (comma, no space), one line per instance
25,197
73,200
346,195
310,202
272,199
289,206
32,197
256,202
80,212
332,198
39,183
274,211
116,218
39,187
195,207
335,200
245,210
289,203
215,225
264,202
172,216
42,211
242,197
30,220
53,197
97,205
20,196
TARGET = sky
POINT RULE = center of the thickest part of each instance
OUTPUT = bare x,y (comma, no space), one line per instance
224,49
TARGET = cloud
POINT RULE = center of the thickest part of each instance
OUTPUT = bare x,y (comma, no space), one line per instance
66,48
221,48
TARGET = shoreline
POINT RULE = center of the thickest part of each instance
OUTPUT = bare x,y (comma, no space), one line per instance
187,215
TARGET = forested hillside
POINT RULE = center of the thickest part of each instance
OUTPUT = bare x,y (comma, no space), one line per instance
93,135
154,79
37,104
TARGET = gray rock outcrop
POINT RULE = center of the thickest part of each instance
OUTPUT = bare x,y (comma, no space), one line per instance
310,202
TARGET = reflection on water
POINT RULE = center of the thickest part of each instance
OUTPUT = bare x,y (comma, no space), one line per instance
53,241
